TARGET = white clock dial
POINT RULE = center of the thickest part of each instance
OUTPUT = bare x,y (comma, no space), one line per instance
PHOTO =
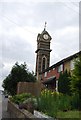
45,36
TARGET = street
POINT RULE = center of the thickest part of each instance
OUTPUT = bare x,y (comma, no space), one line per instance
3,107
0,106
5,114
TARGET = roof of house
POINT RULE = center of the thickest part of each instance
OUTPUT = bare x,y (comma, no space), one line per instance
62,61
49,80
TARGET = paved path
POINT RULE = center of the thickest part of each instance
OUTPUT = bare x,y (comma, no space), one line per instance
5,113
0,106
3,107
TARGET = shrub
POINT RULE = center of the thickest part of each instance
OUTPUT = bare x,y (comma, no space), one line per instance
64,83
75,101
48,102
64,102
25,101
31,100
20,98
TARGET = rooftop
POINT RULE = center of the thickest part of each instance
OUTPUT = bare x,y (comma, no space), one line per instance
62,61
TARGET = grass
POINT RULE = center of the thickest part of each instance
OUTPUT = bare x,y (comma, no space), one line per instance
69,114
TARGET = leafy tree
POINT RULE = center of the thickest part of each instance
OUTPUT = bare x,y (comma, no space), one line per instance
64,83
19,73
76,77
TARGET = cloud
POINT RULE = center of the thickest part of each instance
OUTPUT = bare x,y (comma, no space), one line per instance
66,43
20,23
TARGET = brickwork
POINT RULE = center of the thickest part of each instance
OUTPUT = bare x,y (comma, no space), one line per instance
30,87
43,50
51,73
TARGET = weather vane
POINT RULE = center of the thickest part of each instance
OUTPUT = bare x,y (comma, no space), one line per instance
45,26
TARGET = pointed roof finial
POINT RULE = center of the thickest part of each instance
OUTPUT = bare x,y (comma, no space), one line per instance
45,26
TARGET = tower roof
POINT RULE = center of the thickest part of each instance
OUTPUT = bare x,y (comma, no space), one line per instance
44,32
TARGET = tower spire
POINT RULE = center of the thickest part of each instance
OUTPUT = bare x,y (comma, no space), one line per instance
45,26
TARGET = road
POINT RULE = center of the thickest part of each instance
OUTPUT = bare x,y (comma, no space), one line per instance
3,107
5,113
0,106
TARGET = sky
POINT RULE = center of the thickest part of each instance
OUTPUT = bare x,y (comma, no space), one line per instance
22,20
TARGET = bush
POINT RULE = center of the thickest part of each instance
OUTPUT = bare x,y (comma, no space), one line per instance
64,83
64,102
31,104
25,101
20,98
48,102
75,101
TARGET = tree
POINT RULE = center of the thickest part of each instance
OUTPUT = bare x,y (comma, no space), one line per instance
19,73
76,77
64,83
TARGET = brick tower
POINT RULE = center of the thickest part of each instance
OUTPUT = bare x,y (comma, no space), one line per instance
43,51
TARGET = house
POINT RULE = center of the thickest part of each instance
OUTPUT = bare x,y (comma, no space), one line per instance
45,73
49,77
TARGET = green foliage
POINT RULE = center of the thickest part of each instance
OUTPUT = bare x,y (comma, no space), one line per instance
64,102
51,102
31,100
25,101
69,115
76,77
75,101
19,73
64,83
47,103
20,98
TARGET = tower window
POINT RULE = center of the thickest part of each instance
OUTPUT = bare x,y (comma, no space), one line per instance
43,65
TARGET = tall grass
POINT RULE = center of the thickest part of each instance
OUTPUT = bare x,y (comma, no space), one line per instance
51,102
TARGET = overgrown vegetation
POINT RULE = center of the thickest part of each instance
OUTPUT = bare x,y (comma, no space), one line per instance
76,77
69,96
75,115
25,101
19,73
64,83
51,102
20,98
63,104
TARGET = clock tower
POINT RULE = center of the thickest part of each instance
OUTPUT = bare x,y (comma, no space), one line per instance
43,51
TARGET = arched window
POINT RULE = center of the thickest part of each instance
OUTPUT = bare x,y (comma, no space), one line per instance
44,63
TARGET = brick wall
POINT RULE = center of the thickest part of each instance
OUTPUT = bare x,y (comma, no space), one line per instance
29,87
51,73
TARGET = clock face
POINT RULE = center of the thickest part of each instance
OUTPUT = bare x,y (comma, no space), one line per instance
45,36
